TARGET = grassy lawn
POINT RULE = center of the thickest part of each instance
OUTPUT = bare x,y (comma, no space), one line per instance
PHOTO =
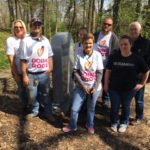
3,58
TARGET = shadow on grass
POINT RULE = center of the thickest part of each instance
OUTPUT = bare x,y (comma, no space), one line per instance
114,140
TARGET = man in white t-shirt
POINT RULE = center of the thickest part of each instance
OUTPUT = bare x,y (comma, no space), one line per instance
12,51
107,42
37,65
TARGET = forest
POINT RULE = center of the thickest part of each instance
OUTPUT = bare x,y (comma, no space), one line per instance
70,15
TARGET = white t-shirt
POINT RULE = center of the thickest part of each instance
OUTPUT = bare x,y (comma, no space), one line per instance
103,46
36,52
88,66
12,48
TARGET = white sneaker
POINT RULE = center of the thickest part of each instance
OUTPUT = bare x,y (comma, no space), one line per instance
122,128
114,127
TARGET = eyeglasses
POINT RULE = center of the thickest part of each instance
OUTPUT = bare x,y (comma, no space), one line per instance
18,27
107,24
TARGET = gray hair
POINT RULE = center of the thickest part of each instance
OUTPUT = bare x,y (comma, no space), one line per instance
137,24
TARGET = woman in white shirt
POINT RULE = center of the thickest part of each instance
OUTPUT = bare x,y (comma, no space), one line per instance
88,70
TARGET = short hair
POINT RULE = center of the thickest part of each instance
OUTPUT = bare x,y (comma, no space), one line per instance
137,24
108,17
83,28
88,36
13,25
126,37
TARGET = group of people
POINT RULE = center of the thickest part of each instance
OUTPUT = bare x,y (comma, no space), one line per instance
31,61
121,65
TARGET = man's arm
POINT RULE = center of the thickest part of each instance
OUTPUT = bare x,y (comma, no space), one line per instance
143,81
50,64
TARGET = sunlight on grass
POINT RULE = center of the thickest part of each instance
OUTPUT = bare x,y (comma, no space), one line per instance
3,58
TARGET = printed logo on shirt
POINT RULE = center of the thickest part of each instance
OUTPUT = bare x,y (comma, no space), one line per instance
102,42
88,76
39,63
123,64
88,65
40,51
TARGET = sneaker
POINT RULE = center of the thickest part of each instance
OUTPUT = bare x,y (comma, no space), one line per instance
68,129
32,115
122,128
136,122
114,127
91,130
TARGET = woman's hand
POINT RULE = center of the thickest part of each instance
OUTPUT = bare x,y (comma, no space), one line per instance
93,90
86,89
138,86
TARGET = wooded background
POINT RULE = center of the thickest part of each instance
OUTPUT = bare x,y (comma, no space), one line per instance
70,15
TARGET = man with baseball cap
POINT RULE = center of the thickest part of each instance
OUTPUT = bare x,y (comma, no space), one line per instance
37,64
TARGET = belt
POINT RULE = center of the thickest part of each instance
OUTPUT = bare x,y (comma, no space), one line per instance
36,72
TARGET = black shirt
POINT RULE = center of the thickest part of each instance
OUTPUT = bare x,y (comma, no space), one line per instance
124,71
141,47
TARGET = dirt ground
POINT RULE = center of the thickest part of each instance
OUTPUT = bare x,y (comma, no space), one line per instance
17,133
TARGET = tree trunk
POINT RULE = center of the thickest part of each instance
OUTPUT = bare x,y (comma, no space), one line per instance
11,12
16,9
74,15
93,23
116,14
100,13
84,12
56,23
89,16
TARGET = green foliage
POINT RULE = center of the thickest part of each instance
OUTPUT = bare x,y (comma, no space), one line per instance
3,58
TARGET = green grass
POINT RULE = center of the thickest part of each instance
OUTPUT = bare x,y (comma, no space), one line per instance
3,58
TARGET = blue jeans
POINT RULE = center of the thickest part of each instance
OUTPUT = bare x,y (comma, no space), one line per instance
123,99
22,91
139,99
78,99
38,93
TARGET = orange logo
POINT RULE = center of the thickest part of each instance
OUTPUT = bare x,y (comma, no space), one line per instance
102,42
88,65
40,51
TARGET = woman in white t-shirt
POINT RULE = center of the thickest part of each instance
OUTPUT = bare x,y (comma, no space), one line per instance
88,70
13,53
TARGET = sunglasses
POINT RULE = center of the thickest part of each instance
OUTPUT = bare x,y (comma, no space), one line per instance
107,24
18,27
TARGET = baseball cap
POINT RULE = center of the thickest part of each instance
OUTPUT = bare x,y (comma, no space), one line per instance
35,20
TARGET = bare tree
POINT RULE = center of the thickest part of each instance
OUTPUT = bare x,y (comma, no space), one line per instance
116,15
11,10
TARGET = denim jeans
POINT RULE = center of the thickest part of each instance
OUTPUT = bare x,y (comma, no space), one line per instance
123,99
139,99
38,93
78,99
22,92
